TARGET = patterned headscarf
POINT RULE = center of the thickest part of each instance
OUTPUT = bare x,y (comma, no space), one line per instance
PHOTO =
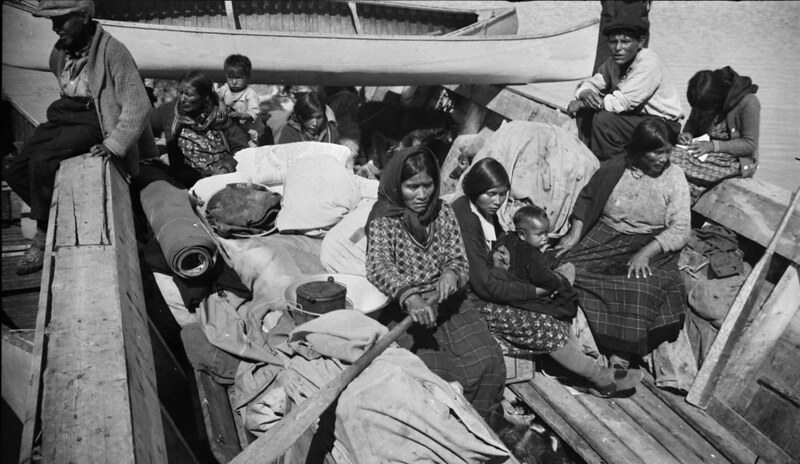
390,196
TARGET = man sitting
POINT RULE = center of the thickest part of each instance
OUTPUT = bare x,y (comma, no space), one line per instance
630,86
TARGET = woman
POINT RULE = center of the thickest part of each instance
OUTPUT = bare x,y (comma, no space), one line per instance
724,107
309,122
201,139
415,255
628,226
520,320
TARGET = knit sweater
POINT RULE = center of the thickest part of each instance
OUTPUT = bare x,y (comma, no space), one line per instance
644,89
399,266
658,203
120,98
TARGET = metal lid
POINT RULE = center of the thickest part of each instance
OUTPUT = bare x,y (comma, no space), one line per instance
321,291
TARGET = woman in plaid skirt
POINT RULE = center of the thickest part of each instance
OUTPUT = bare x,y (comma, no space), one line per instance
415,255
628,226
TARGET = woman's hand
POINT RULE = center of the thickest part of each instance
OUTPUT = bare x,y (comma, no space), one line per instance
698,149
501,258
575,106
101,151
639,266
685,138
447,284
421,311
591,99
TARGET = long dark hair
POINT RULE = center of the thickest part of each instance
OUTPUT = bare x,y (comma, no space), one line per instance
650,135
706,94
204,87
308,103
482,176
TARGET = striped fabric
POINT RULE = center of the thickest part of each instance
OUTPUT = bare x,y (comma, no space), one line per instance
627,315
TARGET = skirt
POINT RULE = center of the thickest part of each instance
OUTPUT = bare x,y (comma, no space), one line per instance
627,315
521,332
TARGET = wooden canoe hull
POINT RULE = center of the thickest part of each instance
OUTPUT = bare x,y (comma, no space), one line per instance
319,59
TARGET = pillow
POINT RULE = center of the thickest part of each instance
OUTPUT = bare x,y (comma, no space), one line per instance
317,193
269,164
344,248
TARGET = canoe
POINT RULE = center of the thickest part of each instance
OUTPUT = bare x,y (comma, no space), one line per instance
321,48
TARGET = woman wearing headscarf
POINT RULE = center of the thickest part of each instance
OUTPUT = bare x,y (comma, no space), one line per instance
724,107
415,255
201,139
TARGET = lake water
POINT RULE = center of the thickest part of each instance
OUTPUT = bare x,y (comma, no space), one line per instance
760,39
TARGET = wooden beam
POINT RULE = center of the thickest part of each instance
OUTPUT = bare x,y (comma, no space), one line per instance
93,394
716,360
356,20
753,209
759,339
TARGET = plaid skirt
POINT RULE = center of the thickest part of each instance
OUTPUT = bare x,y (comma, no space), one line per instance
521,332
627,315
461,349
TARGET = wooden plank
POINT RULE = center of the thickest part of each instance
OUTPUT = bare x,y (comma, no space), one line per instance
716,360
98,396
775,412
747,434
553,419
753,208
19,310
617,420
758,340
17,354
30,92
730,445
678,437
607,444
218,418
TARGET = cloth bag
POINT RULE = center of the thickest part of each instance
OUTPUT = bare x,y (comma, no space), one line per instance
243,209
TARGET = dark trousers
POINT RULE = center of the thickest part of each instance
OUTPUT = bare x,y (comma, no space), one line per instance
608,133
72,128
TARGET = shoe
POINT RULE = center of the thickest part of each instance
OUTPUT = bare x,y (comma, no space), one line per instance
32,261
625,381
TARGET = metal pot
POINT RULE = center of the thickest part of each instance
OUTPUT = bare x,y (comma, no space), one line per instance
322,296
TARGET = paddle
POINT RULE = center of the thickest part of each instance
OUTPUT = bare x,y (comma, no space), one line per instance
717,358
274,443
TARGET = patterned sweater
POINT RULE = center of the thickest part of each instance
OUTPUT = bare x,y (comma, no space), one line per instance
399,266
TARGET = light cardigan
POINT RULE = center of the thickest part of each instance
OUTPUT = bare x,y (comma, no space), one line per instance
120,98
644,89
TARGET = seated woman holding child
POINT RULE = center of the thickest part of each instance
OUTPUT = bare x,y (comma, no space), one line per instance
416,256
628,226
201,139
309,121
726,110
521,309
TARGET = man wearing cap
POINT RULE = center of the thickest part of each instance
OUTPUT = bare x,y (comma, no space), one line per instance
103,110
630,86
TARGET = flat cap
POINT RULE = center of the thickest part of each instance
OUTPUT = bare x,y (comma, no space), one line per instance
53,8
628,21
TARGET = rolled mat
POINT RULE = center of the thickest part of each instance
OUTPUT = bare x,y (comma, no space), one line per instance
186,244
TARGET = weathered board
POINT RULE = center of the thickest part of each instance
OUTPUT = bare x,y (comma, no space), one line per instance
93,395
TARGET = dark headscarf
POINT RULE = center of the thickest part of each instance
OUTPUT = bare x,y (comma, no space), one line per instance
738,87
390,196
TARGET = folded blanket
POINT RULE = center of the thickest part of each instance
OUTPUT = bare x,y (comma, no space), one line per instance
188,248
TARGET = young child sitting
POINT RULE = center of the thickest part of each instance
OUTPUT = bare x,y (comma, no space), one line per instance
241,101
529,261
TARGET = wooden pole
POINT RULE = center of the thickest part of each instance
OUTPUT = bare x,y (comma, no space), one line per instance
356,19
720,352
273,444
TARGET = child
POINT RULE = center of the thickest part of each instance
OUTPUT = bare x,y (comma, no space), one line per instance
528,261
241,101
